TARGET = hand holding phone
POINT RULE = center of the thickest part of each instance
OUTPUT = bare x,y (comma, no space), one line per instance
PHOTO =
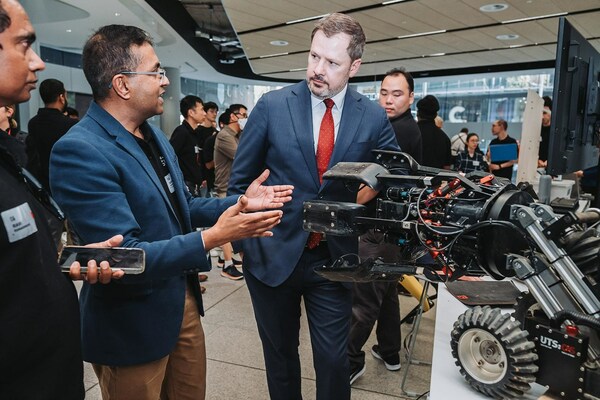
128,260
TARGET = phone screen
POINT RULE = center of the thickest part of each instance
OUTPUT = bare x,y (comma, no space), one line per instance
129,260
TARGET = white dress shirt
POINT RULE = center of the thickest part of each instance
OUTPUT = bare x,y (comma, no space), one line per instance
318,110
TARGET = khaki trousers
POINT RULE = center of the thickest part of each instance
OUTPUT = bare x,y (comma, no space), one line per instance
181,375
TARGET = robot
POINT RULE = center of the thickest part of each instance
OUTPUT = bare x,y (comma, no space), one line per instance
482,225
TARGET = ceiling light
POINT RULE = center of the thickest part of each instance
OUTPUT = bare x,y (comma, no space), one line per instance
387,3
297,21
274,55
279,43
534,18
494,7
421,34
69,31
508,36
117,14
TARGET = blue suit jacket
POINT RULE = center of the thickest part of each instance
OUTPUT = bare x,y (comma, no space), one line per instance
279,136
106,185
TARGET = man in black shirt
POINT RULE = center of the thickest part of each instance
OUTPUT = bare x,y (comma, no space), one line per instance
49,125
185,141
206,132
40,355
501,168
378,301
545,133
396,96
436,143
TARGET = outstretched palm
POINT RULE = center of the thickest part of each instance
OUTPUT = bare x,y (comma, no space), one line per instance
265,197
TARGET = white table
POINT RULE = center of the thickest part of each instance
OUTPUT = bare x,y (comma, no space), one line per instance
446,380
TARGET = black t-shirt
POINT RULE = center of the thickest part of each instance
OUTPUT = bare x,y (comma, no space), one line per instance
159,164
185,143
544,143
45,129
204,133
505,172
436,145
408,135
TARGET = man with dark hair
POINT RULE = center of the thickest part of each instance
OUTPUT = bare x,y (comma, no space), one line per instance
46,128
378,301
299,132
396,96
40,351
49,125
241,113
144,336
207,129
502,168
185,139
226,145
545,133
436,143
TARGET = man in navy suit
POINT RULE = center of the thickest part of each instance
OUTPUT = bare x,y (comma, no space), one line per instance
115,173
283,132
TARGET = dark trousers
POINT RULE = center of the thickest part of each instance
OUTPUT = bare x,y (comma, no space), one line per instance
328,307
375,302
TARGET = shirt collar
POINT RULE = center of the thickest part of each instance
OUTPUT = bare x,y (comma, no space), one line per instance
338,99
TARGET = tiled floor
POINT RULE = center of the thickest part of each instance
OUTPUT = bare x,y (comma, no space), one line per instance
235,362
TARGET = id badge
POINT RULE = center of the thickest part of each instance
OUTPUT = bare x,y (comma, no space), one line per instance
19,222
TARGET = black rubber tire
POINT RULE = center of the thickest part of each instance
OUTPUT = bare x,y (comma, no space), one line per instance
513,359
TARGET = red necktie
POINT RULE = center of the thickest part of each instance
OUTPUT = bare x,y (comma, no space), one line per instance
324,150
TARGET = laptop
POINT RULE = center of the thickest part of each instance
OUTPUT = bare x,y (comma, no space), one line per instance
503,152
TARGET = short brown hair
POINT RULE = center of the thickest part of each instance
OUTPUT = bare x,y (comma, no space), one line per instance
335,23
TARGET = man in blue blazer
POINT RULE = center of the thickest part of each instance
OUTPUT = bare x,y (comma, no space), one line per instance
115,173
283,132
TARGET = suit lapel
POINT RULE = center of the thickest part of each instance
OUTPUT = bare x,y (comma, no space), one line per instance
127,141
301,115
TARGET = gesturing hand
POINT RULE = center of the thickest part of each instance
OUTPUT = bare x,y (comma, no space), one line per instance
266,197
235,224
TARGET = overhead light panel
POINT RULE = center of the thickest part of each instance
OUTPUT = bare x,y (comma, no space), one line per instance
421,34
508,36
534,18
274,55
297,21
387,3
494,7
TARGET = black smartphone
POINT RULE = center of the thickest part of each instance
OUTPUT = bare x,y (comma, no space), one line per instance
129,260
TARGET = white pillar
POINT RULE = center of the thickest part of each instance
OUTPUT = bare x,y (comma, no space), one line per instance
530,138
